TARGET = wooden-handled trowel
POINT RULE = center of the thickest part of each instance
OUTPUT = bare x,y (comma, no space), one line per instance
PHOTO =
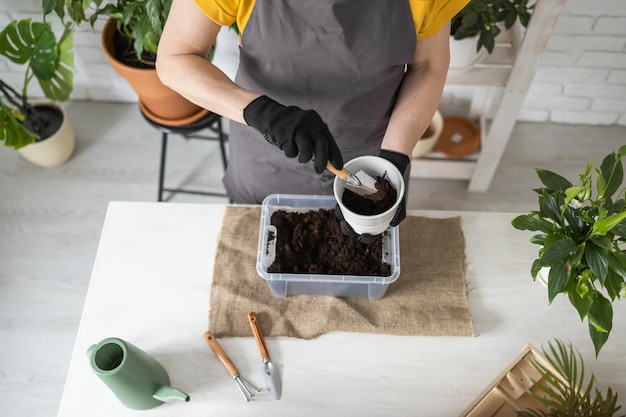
360,182
271,374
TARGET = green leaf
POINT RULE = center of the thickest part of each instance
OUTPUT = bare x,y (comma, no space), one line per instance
613,173
150,42
557,280
60,86
469,19
601,314
550,206
578,227
600,319
614,284
553,181
617,262
12,132
601,184
533,222
534,269
582,303
597,260
538,239
487,41
602,242
558,252
49,6
510,19
34,44
573,192
603,226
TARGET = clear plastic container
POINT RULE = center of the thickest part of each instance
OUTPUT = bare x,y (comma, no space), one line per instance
282,285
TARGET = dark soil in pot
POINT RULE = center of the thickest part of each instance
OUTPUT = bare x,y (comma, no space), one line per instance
46,121
311,242
382,200
125,52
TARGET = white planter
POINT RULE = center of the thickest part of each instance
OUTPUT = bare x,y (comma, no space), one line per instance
426,143
542,275
374,166
463,55
55,150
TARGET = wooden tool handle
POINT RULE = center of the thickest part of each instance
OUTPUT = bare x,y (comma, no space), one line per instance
258,335
221,354
341,173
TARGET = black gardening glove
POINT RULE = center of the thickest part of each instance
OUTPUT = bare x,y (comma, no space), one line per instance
400,161
347,230
296,132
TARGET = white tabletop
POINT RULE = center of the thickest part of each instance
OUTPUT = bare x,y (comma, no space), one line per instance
151,285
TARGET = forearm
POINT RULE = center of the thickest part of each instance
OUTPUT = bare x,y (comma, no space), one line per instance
205,85
419,95
415,107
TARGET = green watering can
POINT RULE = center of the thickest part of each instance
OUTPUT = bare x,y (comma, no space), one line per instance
136,378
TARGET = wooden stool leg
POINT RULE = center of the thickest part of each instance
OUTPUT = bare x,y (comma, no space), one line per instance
220,134
162,165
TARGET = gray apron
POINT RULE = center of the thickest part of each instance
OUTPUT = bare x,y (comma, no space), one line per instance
344,59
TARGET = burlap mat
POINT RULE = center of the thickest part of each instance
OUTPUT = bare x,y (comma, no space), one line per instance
429,298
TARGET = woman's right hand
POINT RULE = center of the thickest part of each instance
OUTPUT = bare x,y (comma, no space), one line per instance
298,133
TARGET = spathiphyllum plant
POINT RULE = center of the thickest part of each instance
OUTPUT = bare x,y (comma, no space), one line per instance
582,234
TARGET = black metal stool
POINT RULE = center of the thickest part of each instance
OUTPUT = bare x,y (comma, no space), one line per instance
212,122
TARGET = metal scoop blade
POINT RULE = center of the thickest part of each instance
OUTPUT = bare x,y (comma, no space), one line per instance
361,182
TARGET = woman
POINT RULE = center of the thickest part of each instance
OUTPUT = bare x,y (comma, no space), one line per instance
323,80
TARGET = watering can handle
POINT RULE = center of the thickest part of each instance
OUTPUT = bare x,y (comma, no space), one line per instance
221,354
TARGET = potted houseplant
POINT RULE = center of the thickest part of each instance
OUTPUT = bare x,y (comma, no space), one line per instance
475,28
582,238
562,389
39,129
129,39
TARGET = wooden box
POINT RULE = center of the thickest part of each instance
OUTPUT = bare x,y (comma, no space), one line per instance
508,393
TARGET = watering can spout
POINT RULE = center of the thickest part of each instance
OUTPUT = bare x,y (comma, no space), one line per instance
167,394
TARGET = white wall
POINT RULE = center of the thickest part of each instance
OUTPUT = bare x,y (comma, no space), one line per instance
581,80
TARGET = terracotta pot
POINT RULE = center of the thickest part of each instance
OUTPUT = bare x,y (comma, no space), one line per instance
57,148
158,102
459,138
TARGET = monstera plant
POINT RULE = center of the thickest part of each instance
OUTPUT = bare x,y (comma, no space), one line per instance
582,235
45,58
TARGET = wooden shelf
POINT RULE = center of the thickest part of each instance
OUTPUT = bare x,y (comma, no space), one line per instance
510,70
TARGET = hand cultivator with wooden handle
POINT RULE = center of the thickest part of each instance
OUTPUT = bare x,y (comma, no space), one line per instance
247,388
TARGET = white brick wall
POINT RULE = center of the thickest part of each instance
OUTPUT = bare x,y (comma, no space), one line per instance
581,79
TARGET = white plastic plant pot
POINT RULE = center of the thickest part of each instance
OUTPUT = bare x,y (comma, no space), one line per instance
375,167
542,276
56,149
463,54
426,143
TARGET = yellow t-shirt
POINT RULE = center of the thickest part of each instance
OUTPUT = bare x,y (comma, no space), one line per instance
429,16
